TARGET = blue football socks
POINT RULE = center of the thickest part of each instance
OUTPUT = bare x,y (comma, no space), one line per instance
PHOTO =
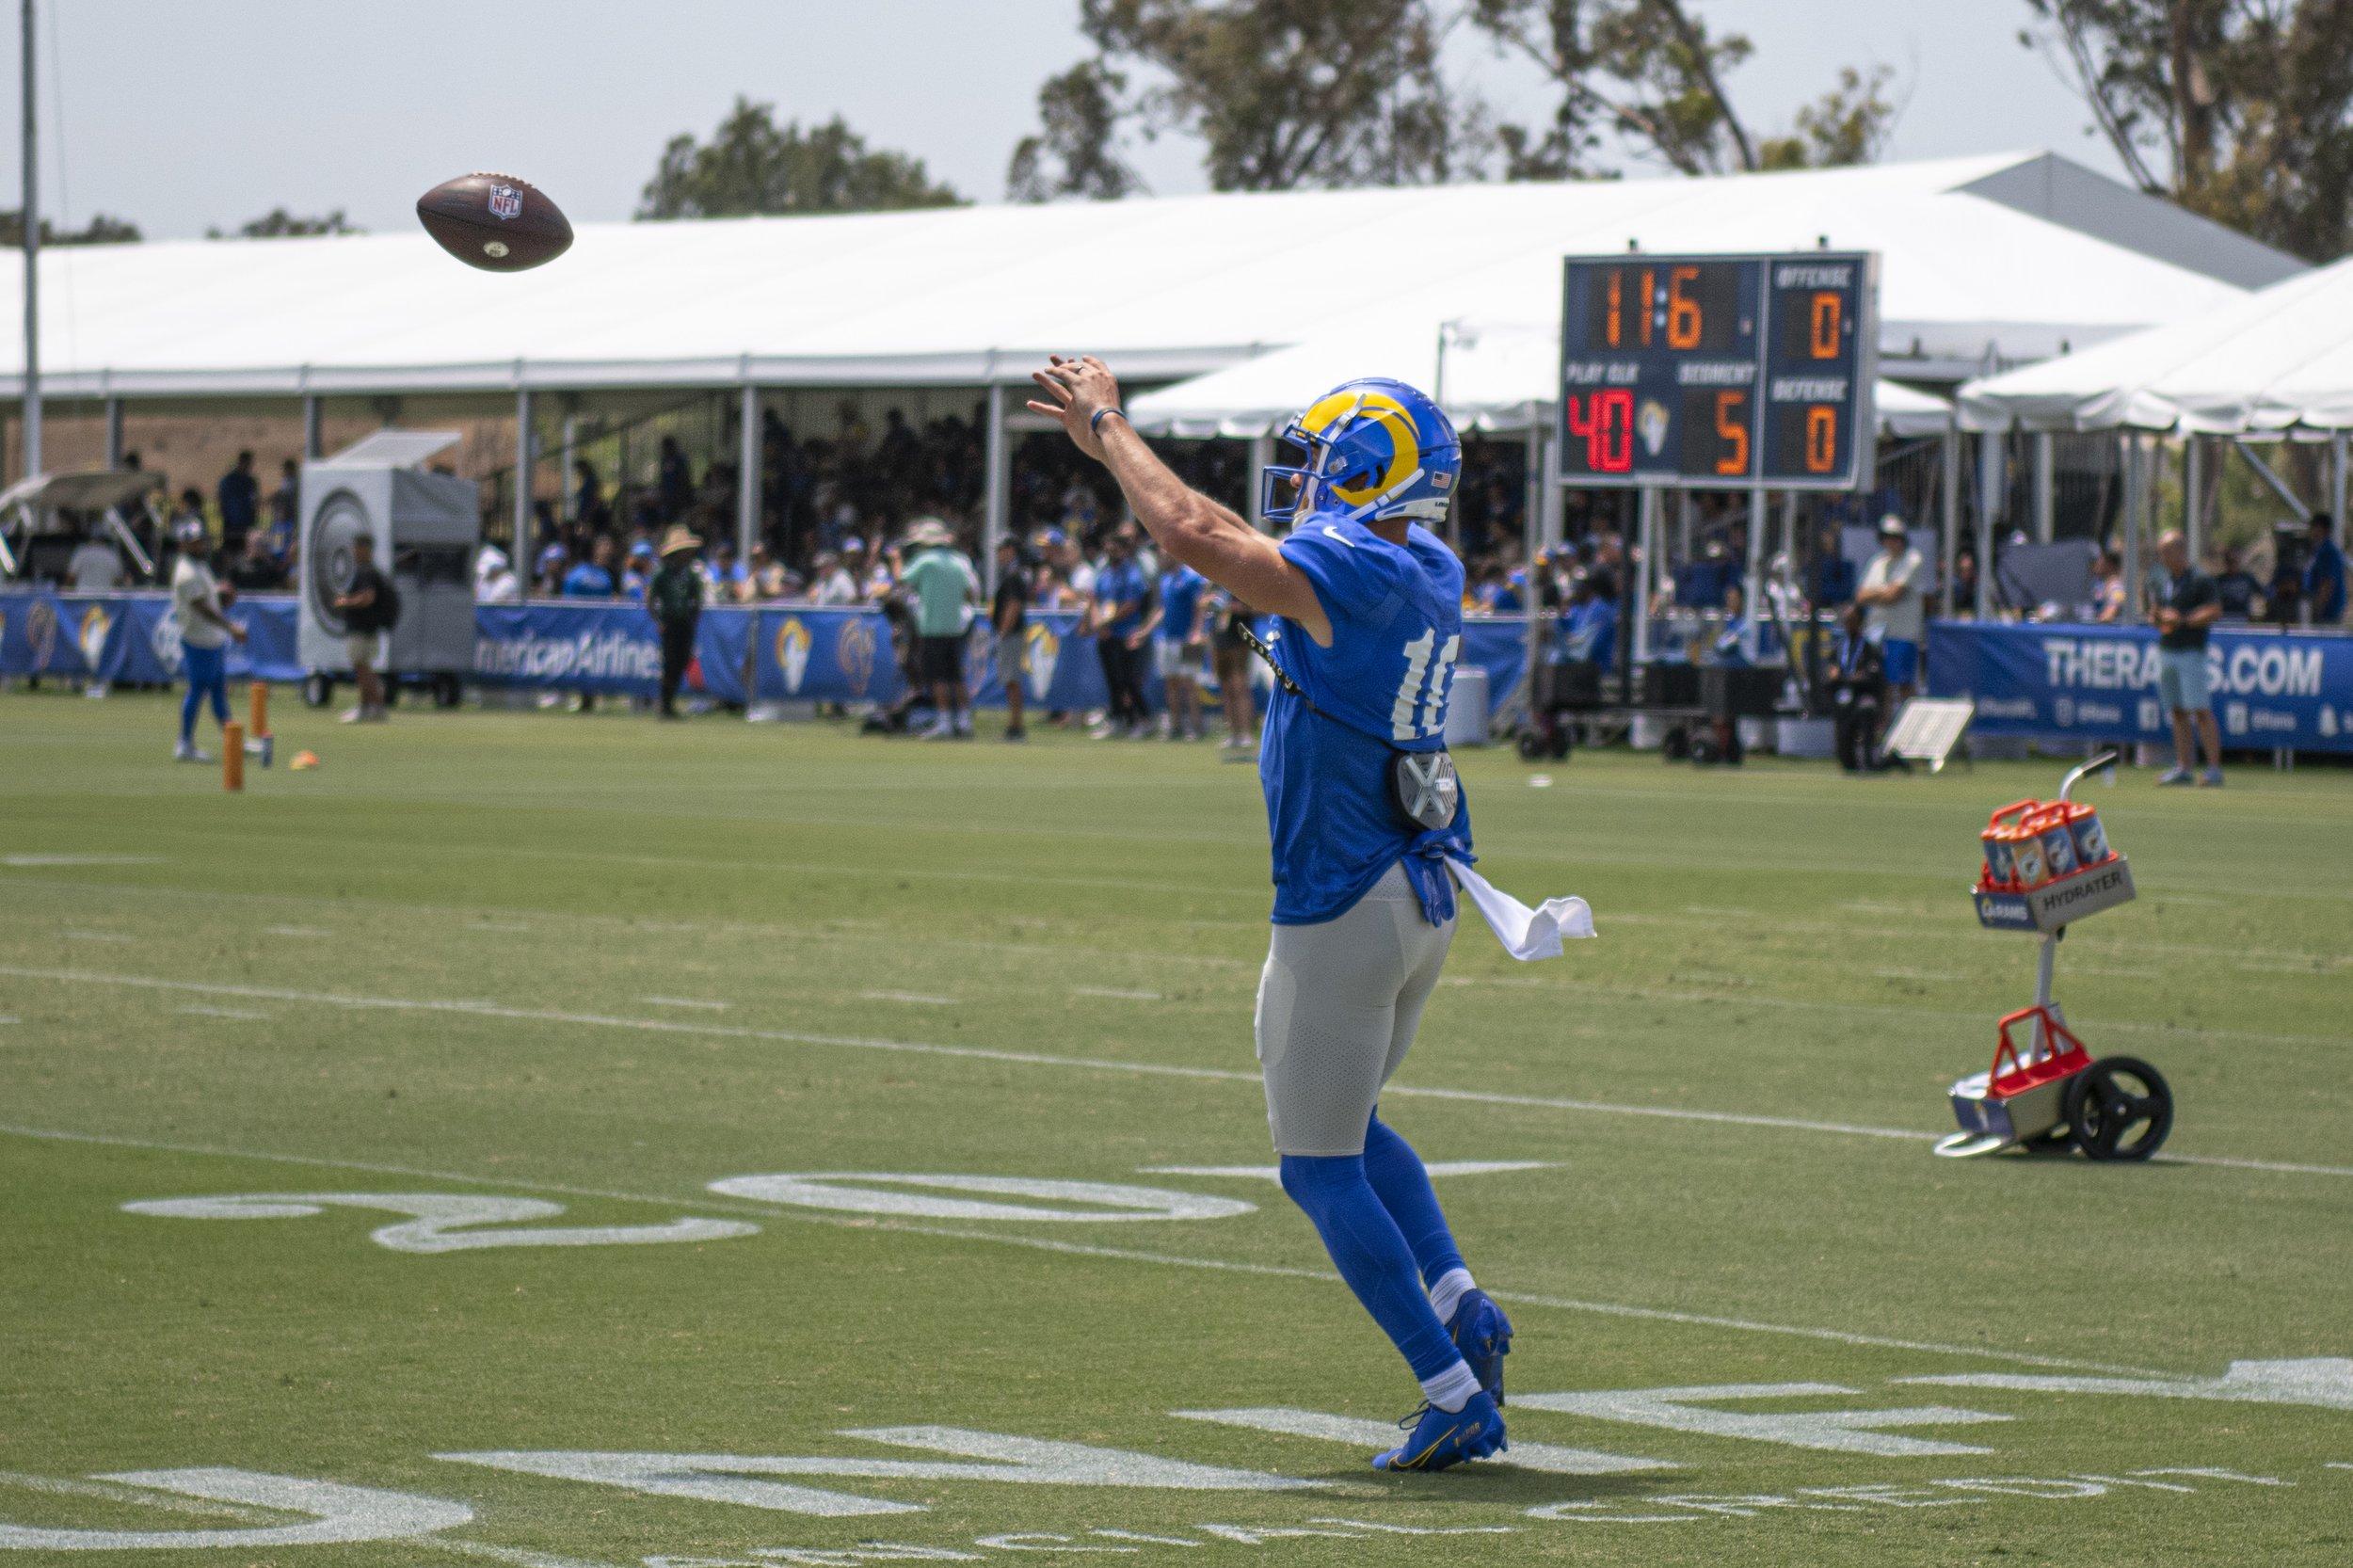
1373,1256
1402,1186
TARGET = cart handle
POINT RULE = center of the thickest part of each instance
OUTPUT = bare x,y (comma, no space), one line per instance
2015,809
2068,784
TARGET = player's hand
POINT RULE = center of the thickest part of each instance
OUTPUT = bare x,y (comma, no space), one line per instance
1135,639
1080,388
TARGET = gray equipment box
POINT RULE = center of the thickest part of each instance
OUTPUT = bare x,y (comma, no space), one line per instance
427,528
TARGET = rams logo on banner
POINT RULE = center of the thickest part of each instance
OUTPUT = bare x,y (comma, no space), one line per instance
792,644
853,650
1404,449
165,640
1045,652
92,638
40,632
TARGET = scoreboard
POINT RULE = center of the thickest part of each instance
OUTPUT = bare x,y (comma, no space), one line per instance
1718,372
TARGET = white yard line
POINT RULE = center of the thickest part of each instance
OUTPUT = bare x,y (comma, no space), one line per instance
311,931
1117,996
81,859
916,997
1039,1059
222,1013
687,1002
1079,1249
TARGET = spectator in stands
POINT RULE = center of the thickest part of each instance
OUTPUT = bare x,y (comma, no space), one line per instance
95,566
1833,574
2190,606
2324,572
1076,569
555,561
637,572
1228,616
592,578
366,604
257,570
1726,650
1174,625
1858,694
943,582
204,629
240,506
1961,593
829,582
1589,627
285,513
728,578
587,493
1009,619
494,578
675,480
1115,616
767,578
1891,600
178,528
2107,589
2235,583
675,596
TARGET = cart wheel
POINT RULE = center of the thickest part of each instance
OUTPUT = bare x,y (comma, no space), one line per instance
1676,744
446,690
2110,1100
1531,746
318,691
1561,741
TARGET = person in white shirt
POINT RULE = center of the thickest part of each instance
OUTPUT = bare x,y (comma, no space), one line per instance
494,581
1890,596
204,632
94,568
829,583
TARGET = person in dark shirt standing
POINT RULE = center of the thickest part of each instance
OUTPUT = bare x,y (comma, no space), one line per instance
1008,617
1858,686
676,598
2324,572
285,513
2190,606
240,507
366,602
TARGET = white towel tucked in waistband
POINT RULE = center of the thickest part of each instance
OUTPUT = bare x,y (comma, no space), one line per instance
1526,933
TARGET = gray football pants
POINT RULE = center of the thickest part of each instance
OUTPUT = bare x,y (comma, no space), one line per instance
1339,1003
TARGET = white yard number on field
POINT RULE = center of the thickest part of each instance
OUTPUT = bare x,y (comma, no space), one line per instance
332,1515
1419,711
438,1219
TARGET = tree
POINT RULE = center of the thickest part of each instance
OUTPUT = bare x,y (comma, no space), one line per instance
277,224
1287,94
752,165
102,230
1651,73
2238,110
1073,154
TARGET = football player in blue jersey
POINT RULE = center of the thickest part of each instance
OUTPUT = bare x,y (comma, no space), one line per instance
1364,810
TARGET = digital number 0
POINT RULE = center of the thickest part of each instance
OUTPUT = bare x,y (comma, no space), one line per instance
1821,440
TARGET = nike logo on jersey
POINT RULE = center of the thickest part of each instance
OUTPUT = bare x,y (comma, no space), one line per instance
1337,535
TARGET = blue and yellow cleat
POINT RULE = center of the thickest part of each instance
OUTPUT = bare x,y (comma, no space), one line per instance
1440,1439
1483,1336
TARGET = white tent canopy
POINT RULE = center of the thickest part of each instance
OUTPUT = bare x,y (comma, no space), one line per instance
2267,361
1491,375
1988,261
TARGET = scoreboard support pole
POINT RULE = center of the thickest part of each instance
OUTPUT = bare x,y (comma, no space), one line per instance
1646,532
1753,598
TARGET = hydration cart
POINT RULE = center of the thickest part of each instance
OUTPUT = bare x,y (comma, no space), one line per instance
2047,864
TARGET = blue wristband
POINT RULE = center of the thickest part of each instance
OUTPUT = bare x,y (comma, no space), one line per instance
1095,425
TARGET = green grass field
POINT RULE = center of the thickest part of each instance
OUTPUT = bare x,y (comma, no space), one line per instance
534,959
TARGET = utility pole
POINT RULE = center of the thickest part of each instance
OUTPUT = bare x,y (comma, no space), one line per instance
31,216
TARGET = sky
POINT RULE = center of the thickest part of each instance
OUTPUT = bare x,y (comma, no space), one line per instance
181,117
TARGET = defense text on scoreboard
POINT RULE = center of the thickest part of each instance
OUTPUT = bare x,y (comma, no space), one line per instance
1723,372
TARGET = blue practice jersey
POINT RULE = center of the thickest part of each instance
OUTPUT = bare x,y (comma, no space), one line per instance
1382,686
1180,603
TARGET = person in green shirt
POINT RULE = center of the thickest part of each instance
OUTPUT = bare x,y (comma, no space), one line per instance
676,597
941,583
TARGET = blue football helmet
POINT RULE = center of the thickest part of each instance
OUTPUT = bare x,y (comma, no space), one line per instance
1376,449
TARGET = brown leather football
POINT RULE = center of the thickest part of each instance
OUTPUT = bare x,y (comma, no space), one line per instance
495,222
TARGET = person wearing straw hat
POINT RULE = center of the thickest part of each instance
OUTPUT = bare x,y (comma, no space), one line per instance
676,598
942,582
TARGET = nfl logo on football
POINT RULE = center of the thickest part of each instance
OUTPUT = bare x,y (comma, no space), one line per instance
505,203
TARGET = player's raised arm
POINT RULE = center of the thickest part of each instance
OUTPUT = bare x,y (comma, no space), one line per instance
1192,529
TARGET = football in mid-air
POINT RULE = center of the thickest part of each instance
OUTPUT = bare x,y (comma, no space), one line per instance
495,222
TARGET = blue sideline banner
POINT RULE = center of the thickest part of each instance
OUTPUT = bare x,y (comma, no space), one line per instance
129,638
2100,684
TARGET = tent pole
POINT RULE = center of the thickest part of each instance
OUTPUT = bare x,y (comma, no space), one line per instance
2135,500
2045,489
29,219
1000,480
567,495
1760,517
2191,479
746,476
2336,487
1950,472
1992,490
1555,499
2271,477
1531,530
114,432
313,430
1646,532
523,491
